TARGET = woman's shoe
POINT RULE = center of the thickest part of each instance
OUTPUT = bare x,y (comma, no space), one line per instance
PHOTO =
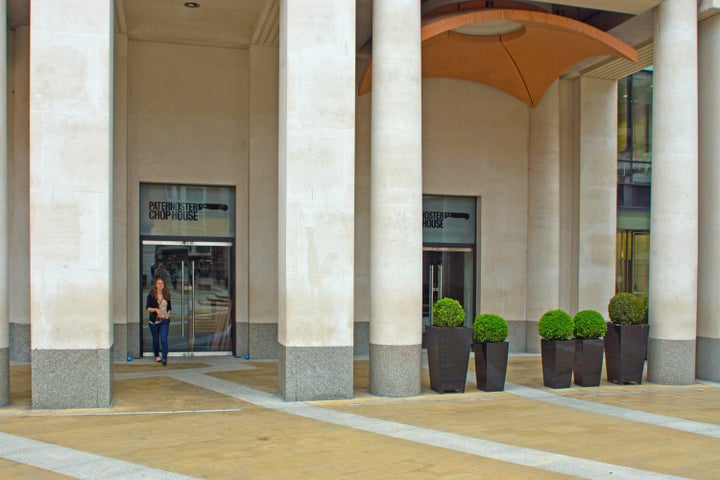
158,359
164,361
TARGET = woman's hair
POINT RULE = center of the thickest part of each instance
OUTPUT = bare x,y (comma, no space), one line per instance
165,291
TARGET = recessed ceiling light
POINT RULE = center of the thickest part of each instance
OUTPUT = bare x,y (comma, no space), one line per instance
192,4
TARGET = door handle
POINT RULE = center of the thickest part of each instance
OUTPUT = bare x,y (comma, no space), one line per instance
431,291
191,319
440,282
182,297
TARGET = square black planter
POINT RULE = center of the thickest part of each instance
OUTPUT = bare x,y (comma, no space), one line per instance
557,362
491,361
587,369
625,352
448,351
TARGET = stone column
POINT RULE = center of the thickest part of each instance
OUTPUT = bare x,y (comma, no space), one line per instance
19,198
597,199
396,200
315,205
674,203
543,276
71,46
708,336
258,329
121,285
4,325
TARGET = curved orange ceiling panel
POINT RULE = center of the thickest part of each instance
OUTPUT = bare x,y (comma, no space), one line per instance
524,63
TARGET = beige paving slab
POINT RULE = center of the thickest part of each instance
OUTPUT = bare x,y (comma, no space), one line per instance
19,471
538,425
230,438
254,443
696,402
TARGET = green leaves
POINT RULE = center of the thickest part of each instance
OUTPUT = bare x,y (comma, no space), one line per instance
556,325
589,324
626,309
489,328
448,312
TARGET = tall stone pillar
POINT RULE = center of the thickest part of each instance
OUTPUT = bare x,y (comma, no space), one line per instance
543,275
71,49
396,200
597,199
315,206
120,281
258,329
708,336
4,320
19,198
674,203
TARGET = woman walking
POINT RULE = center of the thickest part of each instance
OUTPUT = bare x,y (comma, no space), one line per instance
159,306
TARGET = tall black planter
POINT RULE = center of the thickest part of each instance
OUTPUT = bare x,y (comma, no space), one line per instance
491,361
557,362
448,351
625,352
587,369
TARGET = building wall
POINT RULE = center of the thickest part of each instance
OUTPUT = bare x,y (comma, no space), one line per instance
204,115
187,123
475,143
178,124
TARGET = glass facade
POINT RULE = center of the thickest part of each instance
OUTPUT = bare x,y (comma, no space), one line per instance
634,172
634,166
449,232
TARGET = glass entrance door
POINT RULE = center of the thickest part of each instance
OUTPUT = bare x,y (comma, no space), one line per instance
199,276
448,272
633,262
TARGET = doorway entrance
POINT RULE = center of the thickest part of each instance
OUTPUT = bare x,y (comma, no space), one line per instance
633,262
448,272
449,245
200,278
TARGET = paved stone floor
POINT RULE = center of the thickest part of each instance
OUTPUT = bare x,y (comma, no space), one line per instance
221,418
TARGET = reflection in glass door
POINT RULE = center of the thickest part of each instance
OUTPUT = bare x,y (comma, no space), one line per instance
448,272
633,262
199,276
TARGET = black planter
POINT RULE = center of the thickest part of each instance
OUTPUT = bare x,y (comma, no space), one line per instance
587,369
557,362
491,361
625,352
448,351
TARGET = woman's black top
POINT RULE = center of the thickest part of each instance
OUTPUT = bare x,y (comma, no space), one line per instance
153,303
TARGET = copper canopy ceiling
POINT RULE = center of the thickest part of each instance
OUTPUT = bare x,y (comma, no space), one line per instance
525,62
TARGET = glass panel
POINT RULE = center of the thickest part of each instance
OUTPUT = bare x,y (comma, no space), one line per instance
621,265
634,167
179,210
641,263
199,279
212,301
449,220
448,273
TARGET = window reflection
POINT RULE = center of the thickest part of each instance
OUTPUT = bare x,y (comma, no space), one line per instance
635,140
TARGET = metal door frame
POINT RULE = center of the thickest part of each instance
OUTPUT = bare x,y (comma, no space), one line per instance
455,248
189,242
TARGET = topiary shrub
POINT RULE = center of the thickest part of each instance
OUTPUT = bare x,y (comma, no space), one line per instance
489,328
626,309
589,324
556,325
644,303
448,312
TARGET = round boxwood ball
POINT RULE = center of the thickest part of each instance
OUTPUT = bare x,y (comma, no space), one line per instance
556,325
589,324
